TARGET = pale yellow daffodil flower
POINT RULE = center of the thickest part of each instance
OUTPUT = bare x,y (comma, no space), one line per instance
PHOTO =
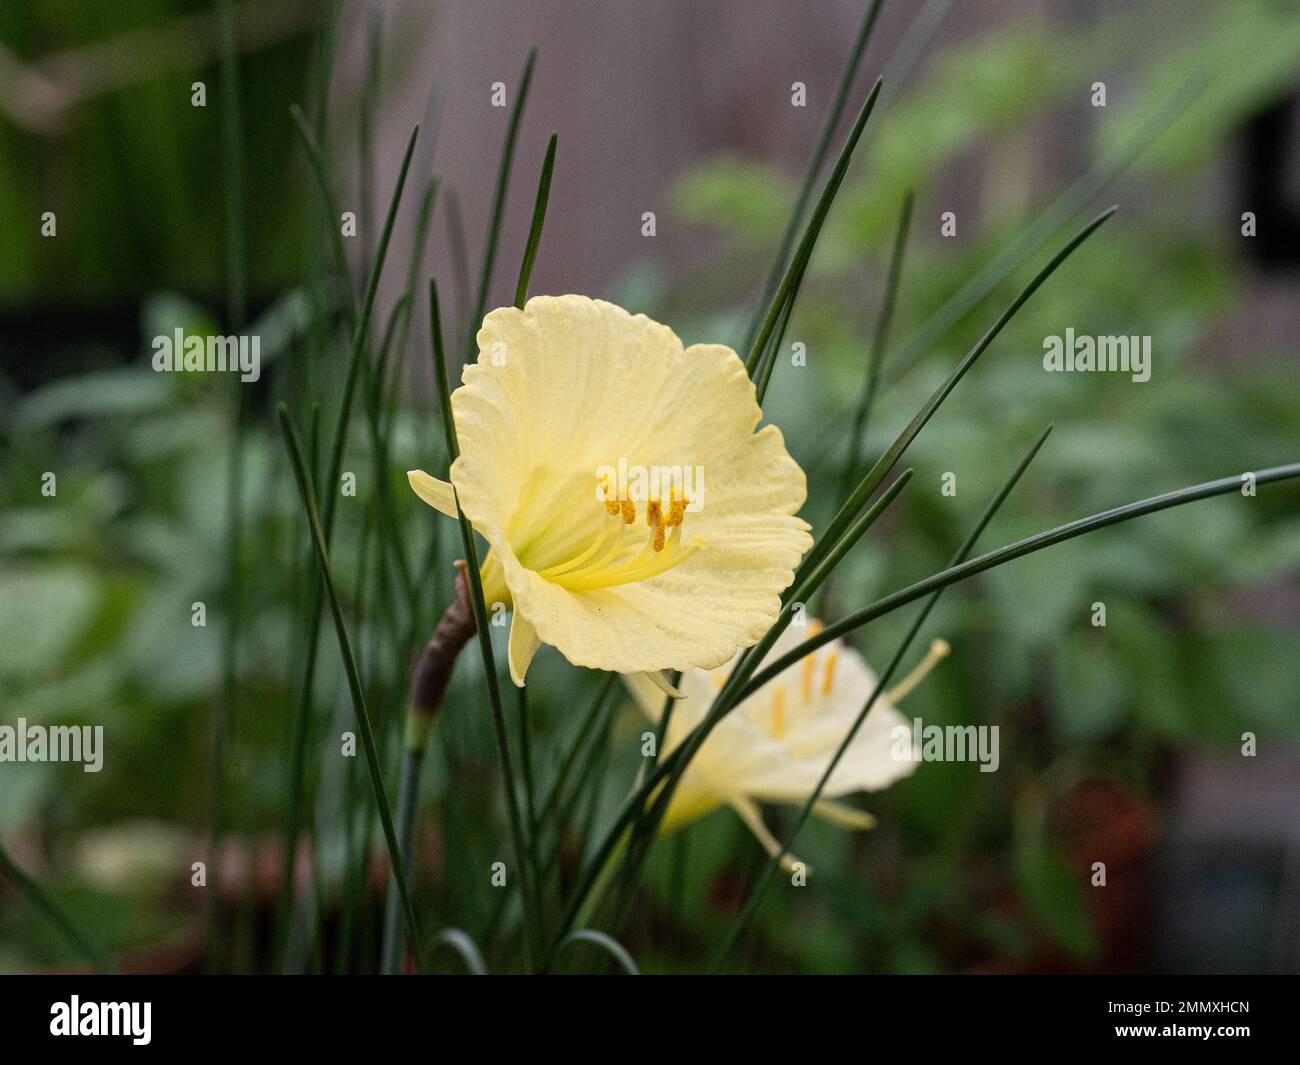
774,746
636,520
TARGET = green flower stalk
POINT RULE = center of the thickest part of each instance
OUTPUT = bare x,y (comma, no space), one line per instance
428,686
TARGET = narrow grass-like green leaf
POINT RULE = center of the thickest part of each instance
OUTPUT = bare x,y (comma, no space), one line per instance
391,382
458,247
809,239
815,164
37,897
751,907
563,796
474,580
360,331
354,894
458,941
526,769
333,223
767,360
608,944
232,141
535,230
593,872
408,797
1010,552
320,76
805,587
398,319
886,461
665,718
391,533
1096,179
586,729
232,160
876,356
354,680
912,46
499,202
556,810
370,92
324,67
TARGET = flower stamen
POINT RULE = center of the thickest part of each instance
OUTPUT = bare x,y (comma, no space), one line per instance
938,652
608,530
621,562
806,678
611,504
676,508
828,678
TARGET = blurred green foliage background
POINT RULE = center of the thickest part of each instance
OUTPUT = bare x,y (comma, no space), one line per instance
967,870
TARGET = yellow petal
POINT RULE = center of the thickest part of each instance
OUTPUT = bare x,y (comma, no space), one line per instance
523,645
438,494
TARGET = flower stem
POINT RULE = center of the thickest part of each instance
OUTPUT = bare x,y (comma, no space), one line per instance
428,686
408,790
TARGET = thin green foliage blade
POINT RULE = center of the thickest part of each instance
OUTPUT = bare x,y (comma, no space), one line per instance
523,854
811,231
499,201
354,680
458,941
886,461
751,907
820,151
535,229
608,944
876,356
37,896
1010,552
